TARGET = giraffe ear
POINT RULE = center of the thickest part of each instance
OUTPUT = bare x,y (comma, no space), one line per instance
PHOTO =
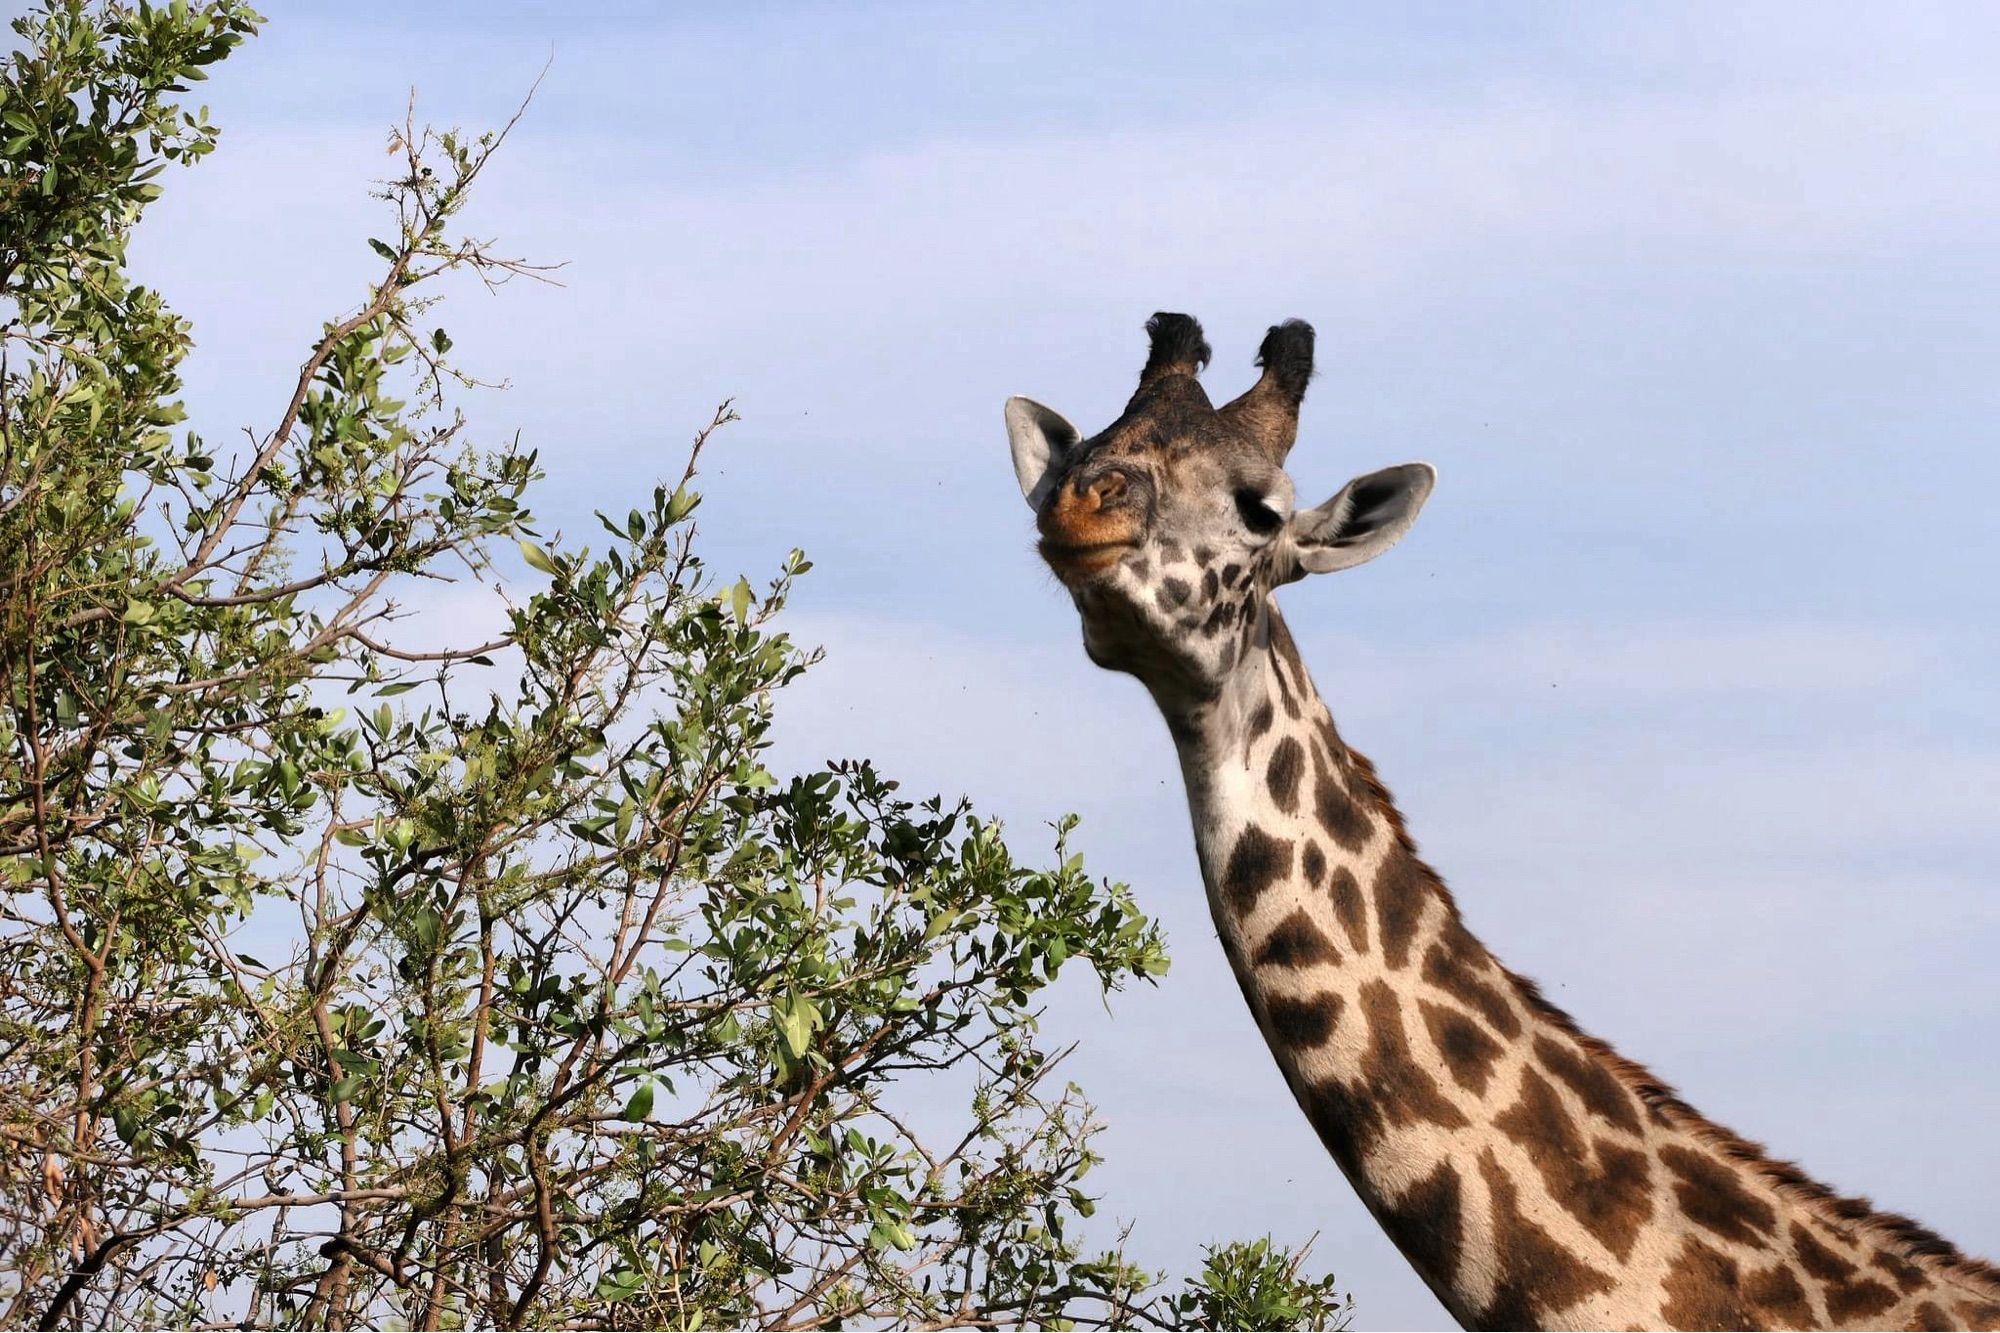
1370,515
1042,441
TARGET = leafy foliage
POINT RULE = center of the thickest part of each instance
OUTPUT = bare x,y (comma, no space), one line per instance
498,984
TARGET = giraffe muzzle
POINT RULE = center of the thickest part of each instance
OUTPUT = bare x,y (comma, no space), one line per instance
1093,519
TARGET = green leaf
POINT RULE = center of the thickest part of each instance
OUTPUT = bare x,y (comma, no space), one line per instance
596,847
538,558
797,1018
892,1236
618,1285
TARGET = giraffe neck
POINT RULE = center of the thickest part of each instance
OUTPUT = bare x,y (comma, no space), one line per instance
1532,1176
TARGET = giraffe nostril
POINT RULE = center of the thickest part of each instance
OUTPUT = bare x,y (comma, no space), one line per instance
1109,488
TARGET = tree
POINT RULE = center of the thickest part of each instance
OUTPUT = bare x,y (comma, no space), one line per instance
501,984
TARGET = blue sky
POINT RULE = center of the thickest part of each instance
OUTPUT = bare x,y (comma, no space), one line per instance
1686,678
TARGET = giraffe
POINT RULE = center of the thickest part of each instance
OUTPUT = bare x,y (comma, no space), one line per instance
1532,1176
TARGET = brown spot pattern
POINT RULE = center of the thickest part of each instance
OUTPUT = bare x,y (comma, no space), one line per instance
1594,1085
1303,1024
1847,1302
1313,863
1979,1314
1427,1223
1389,1090
1611,1197
1256,863
1346,1120
1408,1093
1816,1258
1776,1298
1467,1051
1848,1295
1282,776
1322,753
1329,741
1908,1276
1287,648
1930,1316
1451,966
1401,890
1347,906
1345,821
1538,1278
1286,696
1712,1195
1701,1290
1704,1290
1295,943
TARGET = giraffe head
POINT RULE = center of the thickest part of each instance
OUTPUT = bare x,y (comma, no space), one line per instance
1171,526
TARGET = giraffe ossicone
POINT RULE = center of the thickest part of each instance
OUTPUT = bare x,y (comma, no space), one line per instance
1532,1176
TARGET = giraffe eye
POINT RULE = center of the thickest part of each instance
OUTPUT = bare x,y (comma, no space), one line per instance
1257,514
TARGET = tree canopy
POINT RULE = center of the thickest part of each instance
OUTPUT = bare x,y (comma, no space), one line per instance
498,984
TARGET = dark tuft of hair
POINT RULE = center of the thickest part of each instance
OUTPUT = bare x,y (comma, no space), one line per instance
1177,341
1287,352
